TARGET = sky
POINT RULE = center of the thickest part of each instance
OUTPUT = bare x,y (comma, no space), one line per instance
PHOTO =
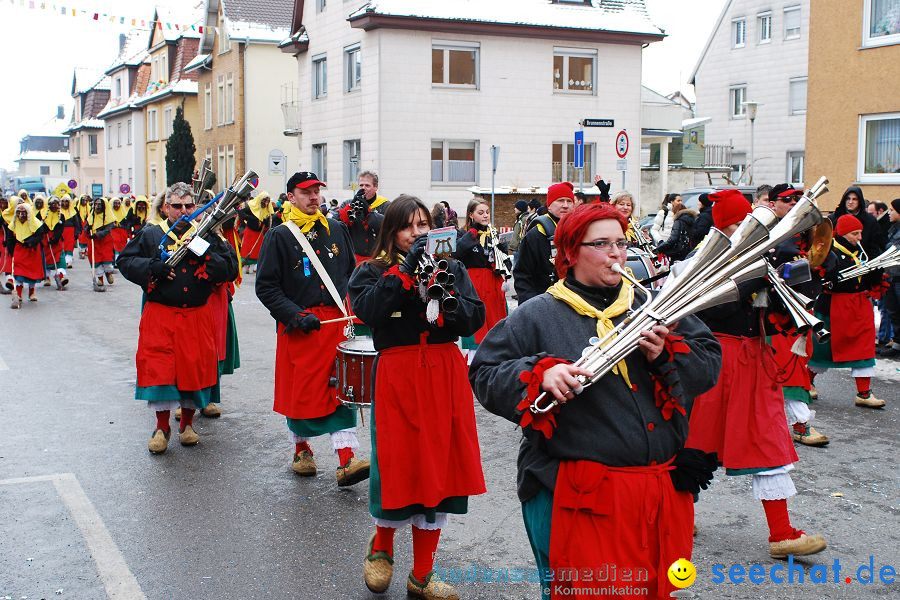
41,49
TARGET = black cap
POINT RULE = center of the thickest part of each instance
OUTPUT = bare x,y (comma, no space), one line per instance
535,204
303,179
521,206
784,190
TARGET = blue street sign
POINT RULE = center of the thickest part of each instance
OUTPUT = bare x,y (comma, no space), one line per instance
578,163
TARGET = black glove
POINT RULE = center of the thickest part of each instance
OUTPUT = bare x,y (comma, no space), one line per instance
159,269
359,204
604,190
693,470
305,322
414,256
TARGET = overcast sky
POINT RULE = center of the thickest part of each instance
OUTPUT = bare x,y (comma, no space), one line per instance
40,49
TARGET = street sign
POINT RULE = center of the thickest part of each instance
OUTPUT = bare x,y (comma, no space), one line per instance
124,189
72,184
495,157
598,123
97,190
276,162
621,165
578,162
622,144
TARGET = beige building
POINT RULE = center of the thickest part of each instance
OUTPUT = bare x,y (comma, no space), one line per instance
853,123
86,140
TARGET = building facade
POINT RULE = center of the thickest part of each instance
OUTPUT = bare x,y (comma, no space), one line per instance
420,91
86,132
757,53
853,130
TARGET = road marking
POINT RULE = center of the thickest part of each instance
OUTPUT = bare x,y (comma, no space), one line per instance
117,578
3,365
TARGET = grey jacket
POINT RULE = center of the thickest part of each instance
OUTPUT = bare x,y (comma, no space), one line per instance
893,236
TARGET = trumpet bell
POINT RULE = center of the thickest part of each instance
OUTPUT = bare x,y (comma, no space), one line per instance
449,304
756,270
723,293
750,232
803,216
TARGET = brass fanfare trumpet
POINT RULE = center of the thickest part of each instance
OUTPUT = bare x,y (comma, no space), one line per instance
436,282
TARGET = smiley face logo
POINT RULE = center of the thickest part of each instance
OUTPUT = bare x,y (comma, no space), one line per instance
682,573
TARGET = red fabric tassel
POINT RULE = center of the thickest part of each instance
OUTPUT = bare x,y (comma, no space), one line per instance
408,282
544,422
665,401
675,344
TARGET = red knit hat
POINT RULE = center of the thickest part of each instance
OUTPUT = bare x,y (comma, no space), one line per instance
846,224
571,229
729,207
560,190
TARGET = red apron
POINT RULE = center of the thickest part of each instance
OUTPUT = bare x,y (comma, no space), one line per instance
5,258
53,253
304,362
852,327
83,238
218,309
28,262
614,520
176,346
742,418
101,250
426,439
68,238
251,243
119,238
792,369
489,287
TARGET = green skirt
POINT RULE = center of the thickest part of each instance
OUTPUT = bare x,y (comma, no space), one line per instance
342,418
169,393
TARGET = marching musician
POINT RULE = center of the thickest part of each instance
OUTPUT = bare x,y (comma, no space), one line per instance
475,250
534,271
71,228
607,475
101,248
176,357
23,246
84,208
119,233
853,203
742,418
847,311
139,215
364,214
291,286
425,456
52,245
258,220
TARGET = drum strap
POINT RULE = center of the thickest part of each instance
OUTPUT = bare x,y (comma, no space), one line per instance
317,265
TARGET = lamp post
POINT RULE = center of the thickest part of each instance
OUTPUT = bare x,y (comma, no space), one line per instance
752,108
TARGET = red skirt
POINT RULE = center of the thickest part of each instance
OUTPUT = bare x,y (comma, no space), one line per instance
6,262
101,250
218,309
68,239
231,237
426,440
792,368
176,346
742,418
304,362
119,238
53,254
251,243
613,522
852,327
83,238
28,262
489,286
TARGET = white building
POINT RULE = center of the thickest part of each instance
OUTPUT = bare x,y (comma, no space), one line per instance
758,52
124,123
419,91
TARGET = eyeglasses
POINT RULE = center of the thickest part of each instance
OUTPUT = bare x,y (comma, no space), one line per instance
183,206
606,245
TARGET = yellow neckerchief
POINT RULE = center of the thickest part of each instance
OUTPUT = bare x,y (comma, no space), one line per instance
853,255
630,234
604,317
257,209
541,227
21,230
177,240
51,219
83,211
378,201
482,236
67,213
304,221
95,222
119,214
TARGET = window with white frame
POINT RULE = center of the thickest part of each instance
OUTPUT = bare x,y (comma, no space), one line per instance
120,182
152,132
153,188
45,169
792,22
764,25
109,180
207,105
131,178
109,137
92,144
879,148
574,70
168,119
352,159
224,38
795,168
119,135
352,68
65,168
320,161
154,69
881,22
320,5
229,98
737,97
455,64
454,161
563,162
222,172
229,160
130,134
738,33
797,95
220,99
118,88
319,76
164,66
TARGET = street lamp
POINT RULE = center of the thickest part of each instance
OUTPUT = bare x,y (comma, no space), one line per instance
752,108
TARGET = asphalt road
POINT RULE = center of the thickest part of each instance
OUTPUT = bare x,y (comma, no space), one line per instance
87,513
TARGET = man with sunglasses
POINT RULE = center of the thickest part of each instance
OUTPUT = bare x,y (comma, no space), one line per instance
177,356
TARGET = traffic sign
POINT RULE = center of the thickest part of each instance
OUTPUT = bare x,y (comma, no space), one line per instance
598,123
622,144
578,162
621,165
124,189
72,184
276,162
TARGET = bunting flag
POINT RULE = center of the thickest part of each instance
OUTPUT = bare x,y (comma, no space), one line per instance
67,10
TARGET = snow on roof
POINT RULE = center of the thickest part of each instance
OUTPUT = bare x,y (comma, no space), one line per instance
271,15
51,128
197,62
653,97
134,52
182,86
627,16
183,15
84,80
257,32
688,123
87,124
41,155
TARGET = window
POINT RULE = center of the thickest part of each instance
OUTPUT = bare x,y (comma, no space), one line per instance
45,169
207,106
119,135
879,148
881,22
320,161
154,69
65,168
164,65
130,179
738,165
168,119
795,168
738,95
153,189
152,133
224,38
563,159
738,33
319,77
352,68
320,5
764,24
798,96
222,172
573,70
792,23
118,88
109,137
129,132
92,144
109,181
454,161
455,64
120,182
229,161
351,162
229,98
220,99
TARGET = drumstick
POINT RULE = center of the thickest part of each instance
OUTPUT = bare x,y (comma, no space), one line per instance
350,318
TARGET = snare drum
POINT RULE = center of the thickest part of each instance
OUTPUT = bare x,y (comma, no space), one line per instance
355,367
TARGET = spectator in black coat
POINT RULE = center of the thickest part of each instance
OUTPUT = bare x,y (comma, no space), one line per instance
854,203
680,241
704,221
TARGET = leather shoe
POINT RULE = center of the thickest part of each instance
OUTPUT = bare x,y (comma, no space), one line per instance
159,442
304,464
801,546
353,472
378,569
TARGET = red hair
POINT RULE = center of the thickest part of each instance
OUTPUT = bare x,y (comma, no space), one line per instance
572,228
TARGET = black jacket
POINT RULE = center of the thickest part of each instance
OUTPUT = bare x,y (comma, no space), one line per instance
471,253
32,241
837,262
873,239
251,221
702,224
534,271
363,231
681,241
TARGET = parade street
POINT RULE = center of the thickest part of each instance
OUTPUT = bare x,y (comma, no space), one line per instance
87,513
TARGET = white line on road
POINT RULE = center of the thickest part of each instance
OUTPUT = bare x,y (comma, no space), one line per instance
117,578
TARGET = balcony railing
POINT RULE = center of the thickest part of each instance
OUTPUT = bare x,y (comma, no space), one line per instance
571,173
291,112
717,155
